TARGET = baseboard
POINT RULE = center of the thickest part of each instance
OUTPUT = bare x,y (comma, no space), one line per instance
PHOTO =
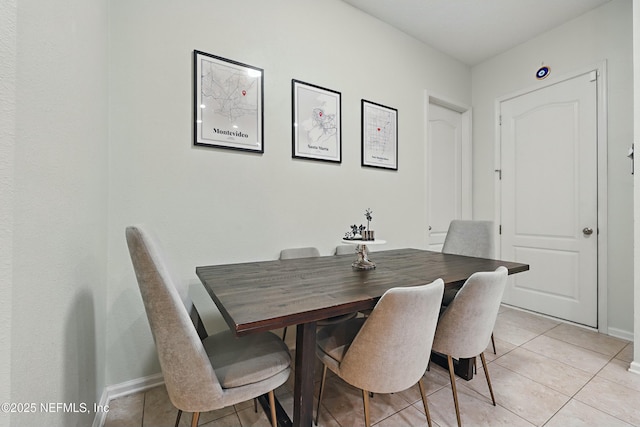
546,316
101,416
634,367
124,389
614,332
620,333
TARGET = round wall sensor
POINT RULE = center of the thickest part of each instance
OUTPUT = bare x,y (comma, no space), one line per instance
542,72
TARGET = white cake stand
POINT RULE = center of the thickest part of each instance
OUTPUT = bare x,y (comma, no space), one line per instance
362,262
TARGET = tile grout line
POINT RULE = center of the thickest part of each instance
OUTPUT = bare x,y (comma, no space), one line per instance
592,407
504,367
144,405
573,396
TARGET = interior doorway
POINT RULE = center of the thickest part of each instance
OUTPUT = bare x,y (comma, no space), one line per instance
549,184
448,160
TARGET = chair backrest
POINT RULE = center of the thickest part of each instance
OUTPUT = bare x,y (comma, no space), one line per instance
465,328
345,249
292,253
189,377
470,238
392,349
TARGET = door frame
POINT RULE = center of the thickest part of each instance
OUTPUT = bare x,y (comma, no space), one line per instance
466,207
601,104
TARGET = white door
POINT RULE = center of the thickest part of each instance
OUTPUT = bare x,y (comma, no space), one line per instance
549,198
447,171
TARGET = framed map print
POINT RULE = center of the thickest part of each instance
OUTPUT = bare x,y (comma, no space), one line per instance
379,136
228,103
317,122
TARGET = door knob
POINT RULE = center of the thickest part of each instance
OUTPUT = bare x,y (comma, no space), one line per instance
587,231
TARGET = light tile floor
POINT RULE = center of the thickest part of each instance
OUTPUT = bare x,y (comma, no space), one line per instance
546,373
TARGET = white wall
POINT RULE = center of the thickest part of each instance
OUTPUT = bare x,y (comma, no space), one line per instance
213,206
602,34
635,365
57,193
8,17
79,170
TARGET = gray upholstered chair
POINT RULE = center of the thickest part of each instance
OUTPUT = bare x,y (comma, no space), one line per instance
345,249
311,252
468,238
201,375
465,328
291,253
388,351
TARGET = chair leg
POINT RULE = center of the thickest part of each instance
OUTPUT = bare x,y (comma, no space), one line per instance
178,417
272,405
324,376
284,333
452,375
365,400
493,343
255,405
486,374
194,419
424,401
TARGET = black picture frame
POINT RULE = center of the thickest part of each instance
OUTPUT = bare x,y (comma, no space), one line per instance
316,118
379,136
228,103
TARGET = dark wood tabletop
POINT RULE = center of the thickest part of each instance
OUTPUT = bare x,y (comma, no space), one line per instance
261,296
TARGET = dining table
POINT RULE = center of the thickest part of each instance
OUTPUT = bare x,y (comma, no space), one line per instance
263,296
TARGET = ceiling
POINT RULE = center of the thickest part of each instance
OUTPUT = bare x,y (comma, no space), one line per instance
475,30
